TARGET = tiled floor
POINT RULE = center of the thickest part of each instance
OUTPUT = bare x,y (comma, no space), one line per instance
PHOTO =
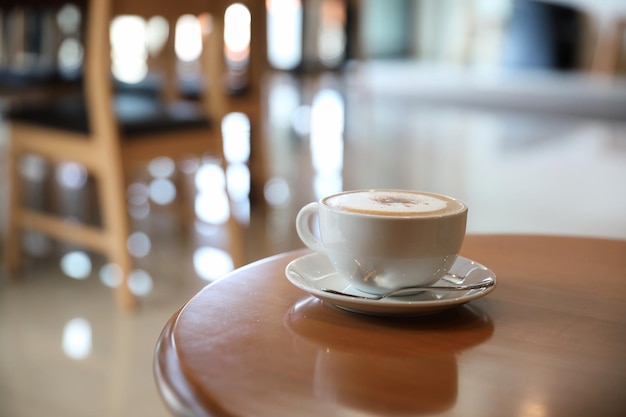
66,351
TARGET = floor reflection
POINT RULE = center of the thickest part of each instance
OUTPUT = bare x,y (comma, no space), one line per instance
518,173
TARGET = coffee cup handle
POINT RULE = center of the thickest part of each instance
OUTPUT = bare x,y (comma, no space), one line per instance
303,227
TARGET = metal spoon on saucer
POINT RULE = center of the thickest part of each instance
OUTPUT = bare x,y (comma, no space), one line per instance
485,283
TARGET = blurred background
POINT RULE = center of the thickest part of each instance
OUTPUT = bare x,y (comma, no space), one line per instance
516,107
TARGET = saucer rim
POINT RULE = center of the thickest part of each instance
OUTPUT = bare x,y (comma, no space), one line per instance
387,306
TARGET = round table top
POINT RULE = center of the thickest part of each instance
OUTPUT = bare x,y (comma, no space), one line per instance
550,340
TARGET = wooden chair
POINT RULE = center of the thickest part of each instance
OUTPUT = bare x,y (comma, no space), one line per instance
92,131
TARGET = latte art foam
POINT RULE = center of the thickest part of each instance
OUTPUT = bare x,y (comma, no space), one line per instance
393,203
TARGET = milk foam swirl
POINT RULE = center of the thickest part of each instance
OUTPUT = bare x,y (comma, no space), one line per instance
393,203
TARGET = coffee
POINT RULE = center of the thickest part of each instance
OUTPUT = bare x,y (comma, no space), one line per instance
394,203
381,240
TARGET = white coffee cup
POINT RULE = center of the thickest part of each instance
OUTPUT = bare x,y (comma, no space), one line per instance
381,240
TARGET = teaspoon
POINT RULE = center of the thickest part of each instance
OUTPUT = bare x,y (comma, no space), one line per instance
485,283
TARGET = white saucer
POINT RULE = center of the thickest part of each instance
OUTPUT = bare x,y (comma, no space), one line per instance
314,271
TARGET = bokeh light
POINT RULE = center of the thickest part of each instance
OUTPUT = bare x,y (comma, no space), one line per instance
238,181
331,37
276,192
327,125
212,207
68,19
33,167
236,137
77,338
138,196
188,41
70,55
139,244
71,175
284,33
162,191
76,265
301,120
128,48
162,167
237,34
140,283
327,129
111,275
210,177
212,263
283,99
157,31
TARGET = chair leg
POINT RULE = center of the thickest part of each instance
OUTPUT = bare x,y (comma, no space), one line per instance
258,167
185,201
12,242
120,256
116,223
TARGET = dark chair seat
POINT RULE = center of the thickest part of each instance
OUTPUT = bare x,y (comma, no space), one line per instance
12,79
23,86
137,114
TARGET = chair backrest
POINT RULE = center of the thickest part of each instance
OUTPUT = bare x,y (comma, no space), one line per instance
98,81
97,70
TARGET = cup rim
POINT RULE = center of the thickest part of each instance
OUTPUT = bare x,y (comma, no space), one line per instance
436,214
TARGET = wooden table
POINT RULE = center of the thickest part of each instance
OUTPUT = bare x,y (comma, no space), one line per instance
549,341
